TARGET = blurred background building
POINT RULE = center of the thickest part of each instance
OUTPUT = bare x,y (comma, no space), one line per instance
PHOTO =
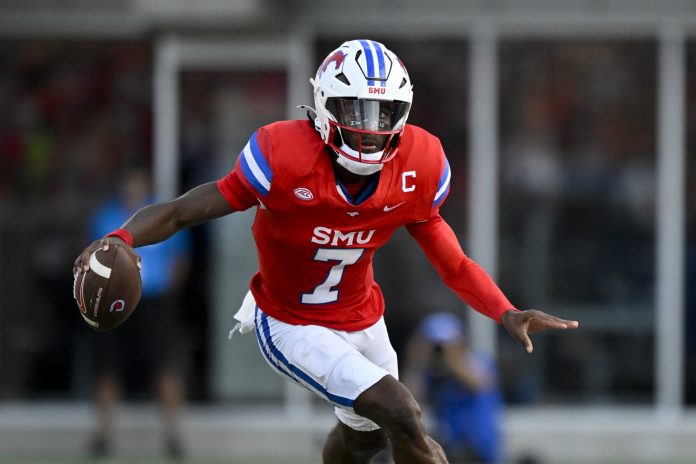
567,125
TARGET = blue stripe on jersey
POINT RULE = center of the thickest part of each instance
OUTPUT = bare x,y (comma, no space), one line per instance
380,61
258,156
255,168
443,185
363,195
370,62
294,369
249,175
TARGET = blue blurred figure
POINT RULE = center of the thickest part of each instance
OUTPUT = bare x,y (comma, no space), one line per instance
460,387
147,346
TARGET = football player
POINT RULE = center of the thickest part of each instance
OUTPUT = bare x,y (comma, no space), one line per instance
328,193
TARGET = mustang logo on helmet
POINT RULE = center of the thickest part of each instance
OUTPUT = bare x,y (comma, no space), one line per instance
336,57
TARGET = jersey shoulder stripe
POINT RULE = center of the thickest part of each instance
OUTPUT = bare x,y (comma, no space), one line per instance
443,185
255,167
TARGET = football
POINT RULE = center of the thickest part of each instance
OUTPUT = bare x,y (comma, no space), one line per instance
108,293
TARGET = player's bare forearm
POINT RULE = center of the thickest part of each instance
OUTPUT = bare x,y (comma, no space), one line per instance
157,222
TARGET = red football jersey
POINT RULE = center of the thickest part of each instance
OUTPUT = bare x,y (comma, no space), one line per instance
315,246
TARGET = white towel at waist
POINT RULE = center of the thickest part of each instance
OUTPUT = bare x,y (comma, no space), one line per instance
245,316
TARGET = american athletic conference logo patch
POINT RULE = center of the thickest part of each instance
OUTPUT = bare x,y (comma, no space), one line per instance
304,194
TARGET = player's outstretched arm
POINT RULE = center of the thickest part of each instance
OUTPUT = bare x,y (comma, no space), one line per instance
520,324
475,286
157,222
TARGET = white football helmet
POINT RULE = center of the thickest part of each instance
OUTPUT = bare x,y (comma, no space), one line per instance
362,96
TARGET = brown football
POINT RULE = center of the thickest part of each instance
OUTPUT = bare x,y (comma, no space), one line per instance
108,293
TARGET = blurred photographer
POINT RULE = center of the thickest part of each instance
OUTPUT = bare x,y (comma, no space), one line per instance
459,388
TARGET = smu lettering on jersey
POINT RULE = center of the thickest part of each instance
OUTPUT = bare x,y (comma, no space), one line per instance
315,247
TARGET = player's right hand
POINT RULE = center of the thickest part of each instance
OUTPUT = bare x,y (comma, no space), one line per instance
82,261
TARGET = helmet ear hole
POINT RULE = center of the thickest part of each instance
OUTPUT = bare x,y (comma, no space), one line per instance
342,77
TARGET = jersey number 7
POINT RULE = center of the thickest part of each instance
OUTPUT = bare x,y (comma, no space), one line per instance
325,291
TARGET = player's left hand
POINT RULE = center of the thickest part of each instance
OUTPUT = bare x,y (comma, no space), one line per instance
520,324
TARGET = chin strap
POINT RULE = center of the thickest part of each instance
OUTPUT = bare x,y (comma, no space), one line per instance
361,169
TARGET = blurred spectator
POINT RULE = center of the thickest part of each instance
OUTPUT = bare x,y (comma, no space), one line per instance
146,345
577,213
72,113
460,387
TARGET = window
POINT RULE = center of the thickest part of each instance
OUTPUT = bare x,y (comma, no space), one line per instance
577,215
